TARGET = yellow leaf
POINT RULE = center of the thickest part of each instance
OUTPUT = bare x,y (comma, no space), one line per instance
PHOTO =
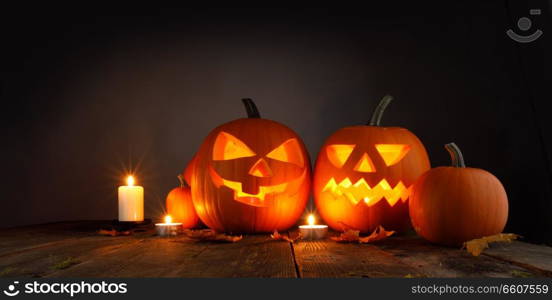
476,246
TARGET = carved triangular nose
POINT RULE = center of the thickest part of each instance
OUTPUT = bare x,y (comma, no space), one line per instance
365,164
260,169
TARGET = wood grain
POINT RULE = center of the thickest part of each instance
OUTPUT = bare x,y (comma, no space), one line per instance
327,258
254,256
74,249
437,261
534,257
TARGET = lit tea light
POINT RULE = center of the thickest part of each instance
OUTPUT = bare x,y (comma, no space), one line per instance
168,228
131,202
313,231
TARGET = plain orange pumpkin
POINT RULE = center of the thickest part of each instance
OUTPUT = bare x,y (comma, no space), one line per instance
180,206
452,205
187,173
363,175
250,175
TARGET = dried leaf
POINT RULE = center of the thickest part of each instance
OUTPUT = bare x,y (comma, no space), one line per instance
277,236
211,235
379,234
347,236
521,274
113,232
476,246
354,236
66,263
345,226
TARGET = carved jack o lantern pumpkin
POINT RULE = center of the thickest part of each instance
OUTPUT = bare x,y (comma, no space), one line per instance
250,175
363,175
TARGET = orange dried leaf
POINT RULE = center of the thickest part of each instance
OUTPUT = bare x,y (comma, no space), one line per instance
211,235
354,236
277,236
345,226
221,237
379,234
347,236
113,232
477,246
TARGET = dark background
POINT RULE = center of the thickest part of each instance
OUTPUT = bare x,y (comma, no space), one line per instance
88,97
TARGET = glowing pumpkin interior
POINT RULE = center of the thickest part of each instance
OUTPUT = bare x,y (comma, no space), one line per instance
361,191
228,148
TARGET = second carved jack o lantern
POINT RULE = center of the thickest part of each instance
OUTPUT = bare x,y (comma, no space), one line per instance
250,175
363,175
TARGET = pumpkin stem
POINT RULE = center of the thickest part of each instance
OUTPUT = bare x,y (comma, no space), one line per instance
378,112
455,155
251,108
183,182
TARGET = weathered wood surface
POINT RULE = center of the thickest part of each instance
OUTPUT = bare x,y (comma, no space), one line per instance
435,261
74,249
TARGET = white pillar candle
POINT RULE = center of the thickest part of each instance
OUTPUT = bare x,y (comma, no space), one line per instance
131,202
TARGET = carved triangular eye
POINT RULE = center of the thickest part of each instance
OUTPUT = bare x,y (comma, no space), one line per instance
392,153
339,153
229,147
289,151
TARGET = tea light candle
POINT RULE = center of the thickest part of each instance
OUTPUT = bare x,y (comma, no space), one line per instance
168,228
131,202
312,231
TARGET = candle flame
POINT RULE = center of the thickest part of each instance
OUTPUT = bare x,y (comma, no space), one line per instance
130,180
310,219
168,219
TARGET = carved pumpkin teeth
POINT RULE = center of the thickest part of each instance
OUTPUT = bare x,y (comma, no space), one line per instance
254,199
257,199
361,191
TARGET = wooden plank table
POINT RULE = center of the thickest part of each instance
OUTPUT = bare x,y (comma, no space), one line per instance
74,249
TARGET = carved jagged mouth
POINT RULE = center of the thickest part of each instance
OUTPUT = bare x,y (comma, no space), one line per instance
257,199
253,199
361,191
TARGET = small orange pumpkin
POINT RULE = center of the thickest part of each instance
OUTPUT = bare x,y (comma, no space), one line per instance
364,173
180,206
452,205
250,175
187,173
